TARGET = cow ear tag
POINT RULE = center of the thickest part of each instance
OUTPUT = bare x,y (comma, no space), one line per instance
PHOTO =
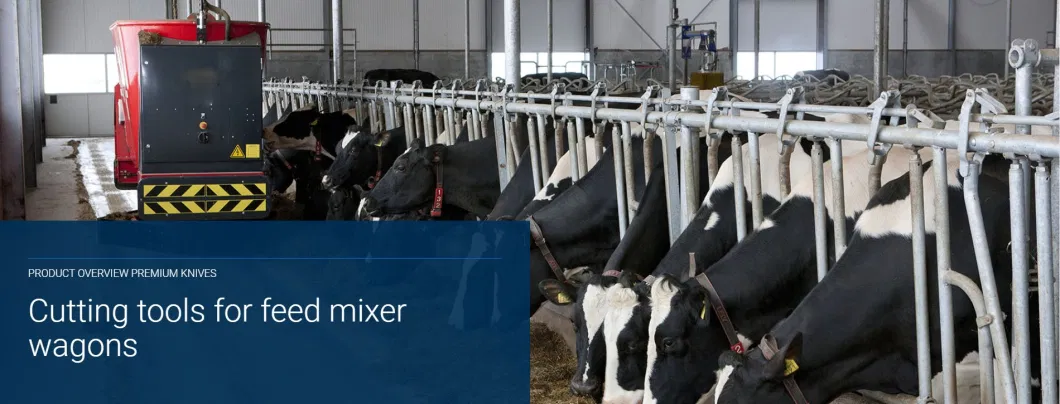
315,121
790,367
555,292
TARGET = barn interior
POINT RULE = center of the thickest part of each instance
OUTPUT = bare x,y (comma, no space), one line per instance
63,80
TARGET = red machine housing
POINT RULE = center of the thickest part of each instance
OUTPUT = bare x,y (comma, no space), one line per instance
126,34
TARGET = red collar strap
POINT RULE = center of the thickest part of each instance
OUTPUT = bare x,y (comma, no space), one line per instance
284,160
719,308
542,245
318,150
769,349
439,190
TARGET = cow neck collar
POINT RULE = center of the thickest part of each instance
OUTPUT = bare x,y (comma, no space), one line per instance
542,245
439,188
769,349
318,150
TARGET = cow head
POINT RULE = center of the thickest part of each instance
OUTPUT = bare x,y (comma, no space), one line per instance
343,204
358,160
681,340
308,129
292,131
281,169
751,378
626,340
409,184
589,303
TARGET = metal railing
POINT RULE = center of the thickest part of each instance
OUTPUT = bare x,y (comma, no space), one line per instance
679,121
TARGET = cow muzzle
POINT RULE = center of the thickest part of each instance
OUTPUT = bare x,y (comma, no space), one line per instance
587,388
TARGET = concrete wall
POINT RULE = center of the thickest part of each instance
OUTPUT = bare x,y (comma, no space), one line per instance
317,65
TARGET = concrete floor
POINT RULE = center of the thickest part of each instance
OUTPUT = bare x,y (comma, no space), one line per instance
75,182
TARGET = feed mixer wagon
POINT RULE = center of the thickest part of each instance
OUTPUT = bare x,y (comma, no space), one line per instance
187,124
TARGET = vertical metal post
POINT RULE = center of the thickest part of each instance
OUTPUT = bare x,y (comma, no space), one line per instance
542,147
905,38
1021,343
261,10
986,278
467,40
820,214
734,33
512,44
754,185
620,179
920,278
535,161
671,47
942,247
689,164
416,33
336,40
188,8
582,156
758,34
882,45
503,164
627,166
1008,30
1046,289
739,194
951,35
839,217
548,6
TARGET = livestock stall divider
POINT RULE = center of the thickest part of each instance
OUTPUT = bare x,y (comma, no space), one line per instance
681,121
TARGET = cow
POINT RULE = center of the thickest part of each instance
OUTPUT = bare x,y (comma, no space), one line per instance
560,180
652,221
831,76
854,331
758,280
520,189
424,177
319,133
407,76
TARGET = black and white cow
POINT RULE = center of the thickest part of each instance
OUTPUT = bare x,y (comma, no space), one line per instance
855,330
560,180
520,190
463,175
360,161
759,281
319,133
831,76
406,76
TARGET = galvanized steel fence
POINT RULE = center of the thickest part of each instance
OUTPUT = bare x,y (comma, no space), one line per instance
679,122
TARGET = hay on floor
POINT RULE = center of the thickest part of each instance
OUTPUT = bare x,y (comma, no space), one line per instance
551,367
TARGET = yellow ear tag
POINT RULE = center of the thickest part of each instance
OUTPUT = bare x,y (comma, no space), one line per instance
379,144
563,298
703,313
790,367
315,122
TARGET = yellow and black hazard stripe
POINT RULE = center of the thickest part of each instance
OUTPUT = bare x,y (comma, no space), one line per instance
200,207
210,190
235,190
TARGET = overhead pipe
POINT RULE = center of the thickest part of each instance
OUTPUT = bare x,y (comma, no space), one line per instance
336,40
512,44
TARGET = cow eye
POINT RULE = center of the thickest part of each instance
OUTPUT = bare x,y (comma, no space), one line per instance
635,346
400,167
669,343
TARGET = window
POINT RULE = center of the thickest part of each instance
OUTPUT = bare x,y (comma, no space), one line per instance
562,62
112,72
75,73
774,64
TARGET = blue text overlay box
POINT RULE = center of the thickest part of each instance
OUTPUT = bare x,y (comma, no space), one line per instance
265,312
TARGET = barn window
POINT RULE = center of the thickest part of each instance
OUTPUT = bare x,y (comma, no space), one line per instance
112,72
75,73
774,64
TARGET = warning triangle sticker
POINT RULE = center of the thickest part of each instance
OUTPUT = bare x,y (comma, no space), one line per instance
237,153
